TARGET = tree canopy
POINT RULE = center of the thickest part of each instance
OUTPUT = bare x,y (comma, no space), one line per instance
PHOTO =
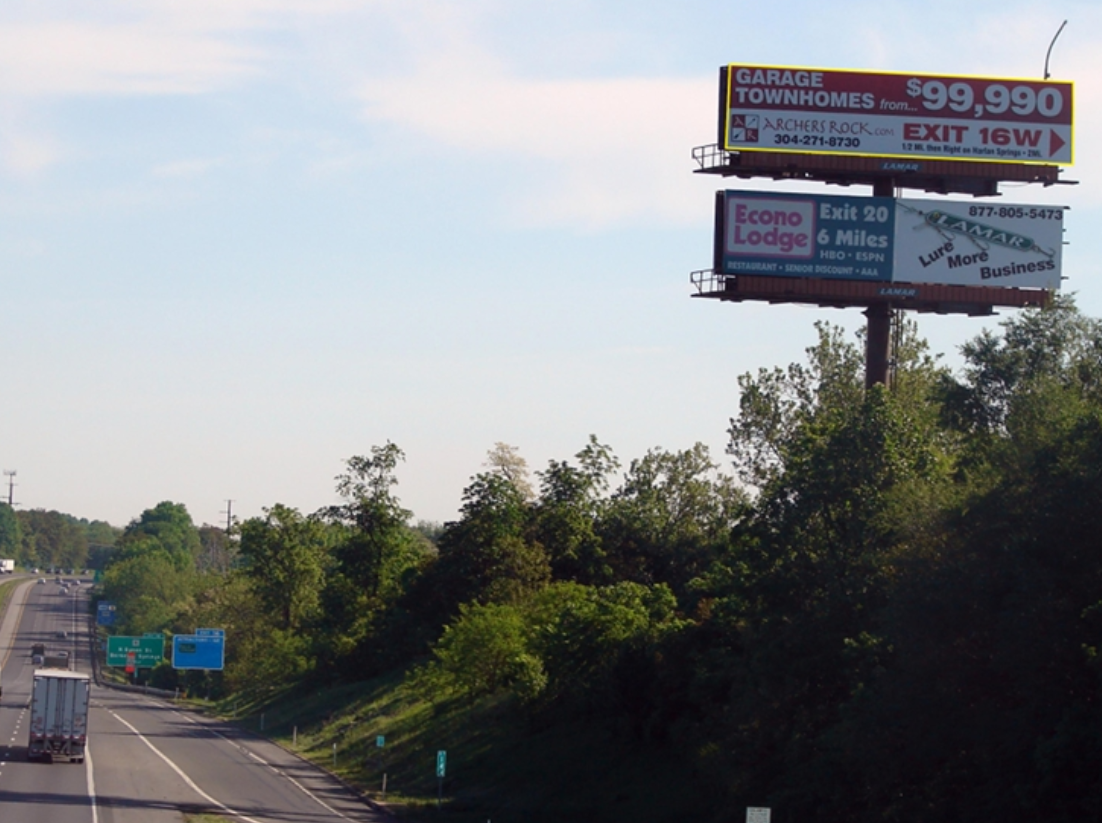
890,608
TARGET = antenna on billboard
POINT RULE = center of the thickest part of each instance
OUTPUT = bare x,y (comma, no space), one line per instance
1048,54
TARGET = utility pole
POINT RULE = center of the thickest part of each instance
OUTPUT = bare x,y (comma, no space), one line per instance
229,515
10,474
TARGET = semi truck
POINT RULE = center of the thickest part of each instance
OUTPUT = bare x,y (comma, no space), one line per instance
59,715
7,566
55,660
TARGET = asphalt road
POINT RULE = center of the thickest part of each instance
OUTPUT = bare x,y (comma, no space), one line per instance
147,761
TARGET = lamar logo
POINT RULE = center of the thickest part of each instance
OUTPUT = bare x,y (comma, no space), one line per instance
744,128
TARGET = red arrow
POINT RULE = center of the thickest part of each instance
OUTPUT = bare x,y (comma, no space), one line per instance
1055,142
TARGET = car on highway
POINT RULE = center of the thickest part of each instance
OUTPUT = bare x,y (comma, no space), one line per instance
61,634
42,581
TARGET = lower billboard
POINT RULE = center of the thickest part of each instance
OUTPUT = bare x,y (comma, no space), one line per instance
888,240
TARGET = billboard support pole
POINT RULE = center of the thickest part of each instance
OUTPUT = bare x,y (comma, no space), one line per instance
878,337
878,331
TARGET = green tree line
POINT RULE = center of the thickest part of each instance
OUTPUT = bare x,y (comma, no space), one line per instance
890,609
37,538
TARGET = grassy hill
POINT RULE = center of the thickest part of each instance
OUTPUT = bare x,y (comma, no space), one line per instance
501,765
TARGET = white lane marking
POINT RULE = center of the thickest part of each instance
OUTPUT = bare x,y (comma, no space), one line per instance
259,759
91,781
183,776
284,775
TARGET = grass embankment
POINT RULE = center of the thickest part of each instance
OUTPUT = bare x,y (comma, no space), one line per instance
7,588
499,766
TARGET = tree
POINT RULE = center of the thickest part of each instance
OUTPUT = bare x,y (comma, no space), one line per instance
51,539
376,555
11,538
379,547
150,590
483,651
790,634
285,558
168,526
571,502
505,460
669,518
586,636
1056,343
485,556
219,549
776,404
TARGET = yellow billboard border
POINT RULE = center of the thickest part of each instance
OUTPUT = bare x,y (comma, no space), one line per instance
912,157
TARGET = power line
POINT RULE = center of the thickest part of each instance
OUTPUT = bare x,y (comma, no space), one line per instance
10,474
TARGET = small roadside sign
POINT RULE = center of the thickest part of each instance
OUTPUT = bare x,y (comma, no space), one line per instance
380,741
441,762
757,815
105,613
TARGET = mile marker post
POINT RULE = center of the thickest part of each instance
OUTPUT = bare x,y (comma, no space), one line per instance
380,741
441,765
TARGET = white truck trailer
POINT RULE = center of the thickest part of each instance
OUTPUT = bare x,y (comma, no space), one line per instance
59,715
7,566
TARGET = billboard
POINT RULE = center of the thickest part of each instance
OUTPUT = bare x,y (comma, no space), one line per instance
888,240
889,114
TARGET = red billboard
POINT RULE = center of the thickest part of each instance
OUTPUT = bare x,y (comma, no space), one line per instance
889,114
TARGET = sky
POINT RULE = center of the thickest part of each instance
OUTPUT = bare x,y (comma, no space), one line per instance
244,240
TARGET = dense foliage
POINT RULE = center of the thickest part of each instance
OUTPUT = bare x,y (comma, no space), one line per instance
891,611
37,538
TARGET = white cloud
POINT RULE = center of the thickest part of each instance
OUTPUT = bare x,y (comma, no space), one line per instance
618,148
62,58
144,46
25,154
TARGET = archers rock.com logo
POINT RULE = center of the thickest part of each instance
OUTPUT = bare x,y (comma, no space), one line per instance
744,128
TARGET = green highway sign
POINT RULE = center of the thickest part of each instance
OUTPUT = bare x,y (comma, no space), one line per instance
147,651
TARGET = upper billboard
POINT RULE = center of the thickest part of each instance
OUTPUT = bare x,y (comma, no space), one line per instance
888,114
887,240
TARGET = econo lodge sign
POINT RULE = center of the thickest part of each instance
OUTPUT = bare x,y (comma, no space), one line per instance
888,240
886,114
769,227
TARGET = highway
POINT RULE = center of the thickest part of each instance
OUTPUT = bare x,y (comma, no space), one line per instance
147,761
